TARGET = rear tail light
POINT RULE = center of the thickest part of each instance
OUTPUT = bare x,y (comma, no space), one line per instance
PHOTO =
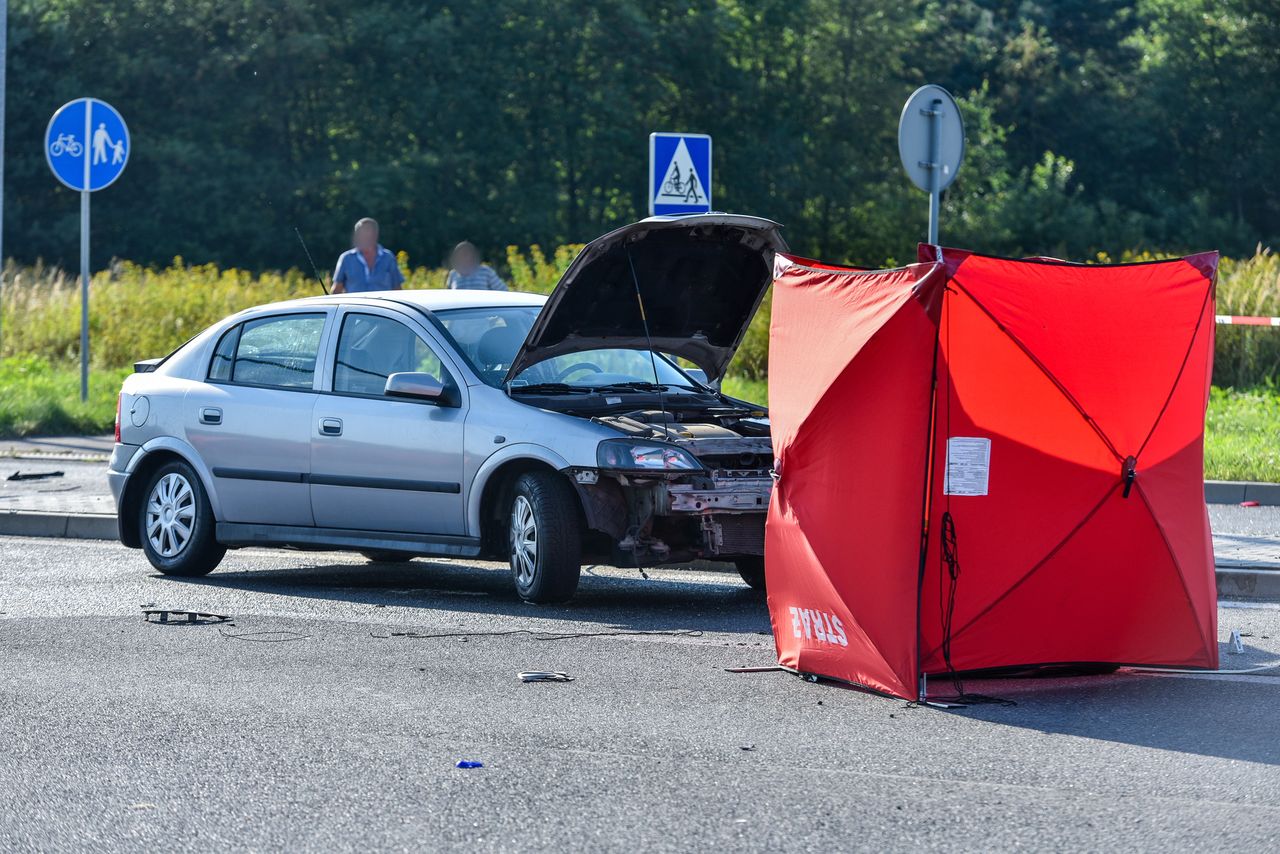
119,403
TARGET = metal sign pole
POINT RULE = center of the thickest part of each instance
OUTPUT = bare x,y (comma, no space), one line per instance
84,259
84,294
4,59
77,153
933,113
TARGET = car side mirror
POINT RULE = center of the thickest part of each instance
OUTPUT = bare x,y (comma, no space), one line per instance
419,386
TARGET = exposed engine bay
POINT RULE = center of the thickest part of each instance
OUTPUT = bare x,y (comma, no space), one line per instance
717,512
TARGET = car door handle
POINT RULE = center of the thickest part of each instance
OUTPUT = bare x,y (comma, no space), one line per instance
331,426
210,415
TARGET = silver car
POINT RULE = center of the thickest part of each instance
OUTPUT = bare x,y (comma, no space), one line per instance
548,432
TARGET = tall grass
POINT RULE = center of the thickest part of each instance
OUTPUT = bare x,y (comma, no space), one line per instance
138,312
1247,356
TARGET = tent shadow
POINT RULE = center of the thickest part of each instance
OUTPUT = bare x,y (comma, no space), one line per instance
628,603
1225,717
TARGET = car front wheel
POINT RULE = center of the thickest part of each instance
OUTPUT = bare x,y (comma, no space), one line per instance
752,571
176,524
544,538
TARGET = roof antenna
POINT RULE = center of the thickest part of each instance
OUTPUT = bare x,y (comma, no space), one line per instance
644,320
314,268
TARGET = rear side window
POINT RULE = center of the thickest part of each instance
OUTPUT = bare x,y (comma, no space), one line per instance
372,348
223,355
276,351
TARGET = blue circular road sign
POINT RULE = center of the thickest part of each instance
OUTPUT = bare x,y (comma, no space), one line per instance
87,144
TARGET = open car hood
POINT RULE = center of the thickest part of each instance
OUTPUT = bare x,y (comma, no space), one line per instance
701,278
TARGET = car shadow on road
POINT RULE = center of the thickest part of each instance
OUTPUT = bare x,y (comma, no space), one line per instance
619,599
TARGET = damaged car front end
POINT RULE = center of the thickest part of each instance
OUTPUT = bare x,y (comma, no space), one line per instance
687,474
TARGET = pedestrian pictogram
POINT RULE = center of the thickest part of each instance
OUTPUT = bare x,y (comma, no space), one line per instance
679,173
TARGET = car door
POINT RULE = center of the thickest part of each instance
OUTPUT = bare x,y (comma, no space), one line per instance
380,463
250,421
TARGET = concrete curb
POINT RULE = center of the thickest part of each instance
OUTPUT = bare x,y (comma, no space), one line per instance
1248,583
71,526
1235,491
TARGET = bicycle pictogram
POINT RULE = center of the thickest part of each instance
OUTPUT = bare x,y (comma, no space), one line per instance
65,144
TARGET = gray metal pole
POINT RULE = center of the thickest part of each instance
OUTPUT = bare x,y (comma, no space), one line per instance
935,120
84,256
4,61
84,288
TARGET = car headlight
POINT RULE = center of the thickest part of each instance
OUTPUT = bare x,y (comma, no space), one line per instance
642,455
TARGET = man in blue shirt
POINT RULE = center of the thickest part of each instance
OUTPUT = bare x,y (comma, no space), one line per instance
367,266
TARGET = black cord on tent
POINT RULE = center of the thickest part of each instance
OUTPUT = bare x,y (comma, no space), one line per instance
951,557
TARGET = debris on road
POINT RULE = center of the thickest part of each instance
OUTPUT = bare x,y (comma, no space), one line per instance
279,636
544,676
192,617
1235,645
768,669
41,475
469,763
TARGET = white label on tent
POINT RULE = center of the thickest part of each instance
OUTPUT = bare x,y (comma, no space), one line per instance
968,464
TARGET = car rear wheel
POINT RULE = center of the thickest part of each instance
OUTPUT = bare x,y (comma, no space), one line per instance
544,538
752,571
176,524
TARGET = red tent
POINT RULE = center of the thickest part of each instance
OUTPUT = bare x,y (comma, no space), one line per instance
987,463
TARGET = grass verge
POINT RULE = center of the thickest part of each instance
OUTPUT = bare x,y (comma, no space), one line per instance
37,398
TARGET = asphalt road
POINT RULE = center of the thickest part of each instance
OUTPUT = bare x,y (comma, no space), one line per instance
307,724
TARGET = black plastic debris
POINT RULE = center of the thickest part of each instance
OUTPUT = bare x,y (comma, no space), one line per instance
35,475
544,676
199,618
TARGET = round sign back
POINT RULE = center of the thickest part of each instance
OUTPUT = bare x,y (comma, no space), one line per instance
931,110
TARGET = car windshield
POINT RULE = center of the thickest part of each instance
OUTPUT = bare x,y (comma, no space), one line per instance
490,338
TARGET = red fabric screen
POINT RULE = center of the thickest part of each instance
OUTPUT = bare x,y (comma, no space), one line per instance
1068,371
851,356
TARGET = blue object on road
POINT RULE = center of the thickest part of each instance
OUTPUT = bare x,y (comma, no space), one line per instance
679,173
87,144
469,763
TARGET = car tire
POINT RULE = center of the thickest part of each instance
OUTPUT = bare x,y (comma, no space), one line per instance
544,538
387,556
752,571
176,524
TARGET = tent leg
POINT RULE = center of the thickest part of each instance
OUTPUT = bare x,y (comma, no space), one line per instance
924,687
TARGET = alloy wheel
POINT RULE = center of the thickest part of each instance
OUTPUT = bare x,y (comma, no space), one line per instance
524,541
171,514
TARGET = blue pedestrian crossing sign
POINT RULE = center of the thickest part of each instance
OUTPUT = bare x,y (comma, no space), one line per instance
679,173
87,144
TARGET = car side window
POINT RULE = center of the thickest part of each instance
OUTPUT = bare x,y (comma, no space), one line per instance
278,351
372,347
224,355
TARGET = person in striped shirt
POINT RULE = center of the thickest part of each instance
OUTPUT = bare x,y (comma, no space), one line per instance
468,274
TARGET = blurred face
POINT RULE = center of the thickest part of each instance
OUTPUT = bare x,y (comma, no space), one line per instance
465,259
366,238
